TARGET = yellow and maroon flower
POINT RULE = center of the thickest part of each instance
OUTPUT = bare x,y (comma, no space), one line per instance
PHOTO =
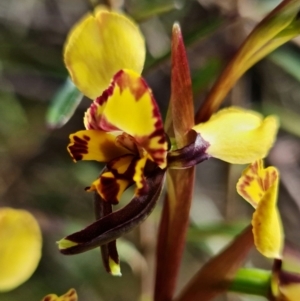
124,129
105,54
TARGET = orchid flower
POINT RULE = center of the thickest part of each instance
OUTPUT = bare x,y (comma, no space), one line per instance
104,55
20,248
259,187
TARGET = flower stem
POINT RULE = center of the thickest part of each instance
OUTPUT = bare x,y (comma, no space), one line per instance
251,281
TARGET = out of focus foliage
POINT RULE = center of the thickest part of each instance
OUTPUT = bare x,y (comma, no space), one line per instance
37,174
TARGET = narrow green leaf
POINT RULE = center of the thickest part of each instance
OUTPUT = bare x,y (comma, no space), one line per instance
251,281
197,233
142,10
63,105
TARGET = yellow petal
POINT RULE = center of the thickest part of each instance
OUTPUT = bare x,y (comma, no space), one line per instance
20,247
94,145
71,295
238,136
100,45
258,186
128,105
267,227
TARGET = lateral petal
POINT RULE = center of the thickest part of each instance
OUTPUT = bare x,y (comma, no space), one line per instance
128,106
237,135
98,46
20,247
94,145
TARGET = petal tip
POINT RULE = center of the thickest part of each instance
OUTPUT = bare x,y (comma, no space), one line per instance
64,244
115,268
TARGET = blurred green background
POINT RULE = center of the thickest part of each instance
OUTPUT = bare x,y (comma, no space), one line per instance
36,172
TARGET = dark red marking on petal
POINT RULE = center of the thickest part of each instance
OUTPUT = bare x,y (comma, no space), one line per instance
129,173
158,154
48,298
243,190
144,188
96,120
138,86
107,126
109,189
92,115
79,147
109,186
86,138
106,94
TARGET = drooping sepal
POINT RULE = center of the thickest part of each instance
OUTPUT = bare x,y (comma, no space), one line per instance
258,186
71,295
113,225
129,106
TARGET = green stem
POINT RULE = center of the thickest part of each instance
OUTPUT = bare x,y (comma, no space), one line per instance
251,281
